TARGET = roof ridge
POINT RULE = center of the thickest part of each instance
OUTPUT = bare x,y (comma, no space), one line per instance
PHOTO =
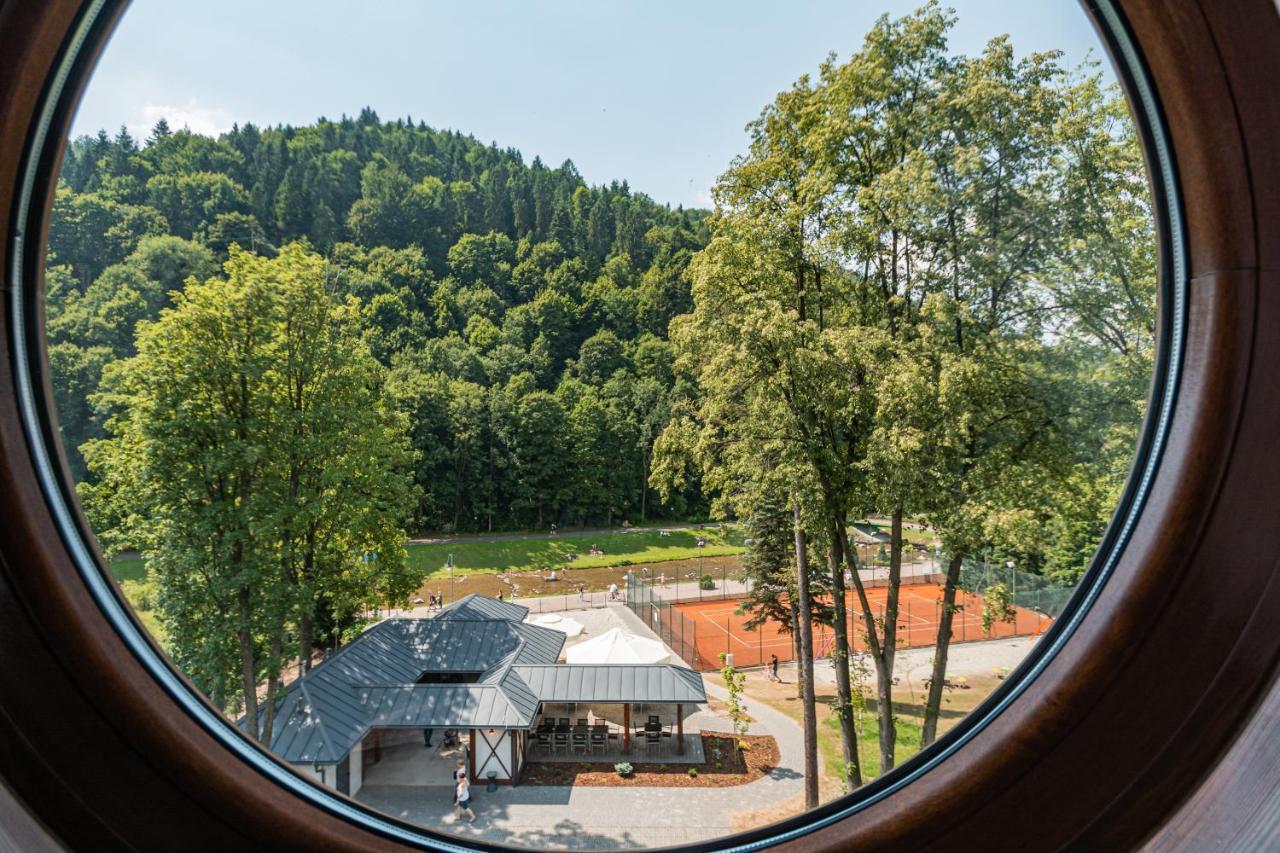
313,711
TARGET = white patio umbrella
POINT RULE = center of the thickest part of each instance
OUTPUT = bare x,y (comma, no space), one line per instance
615,646
572,627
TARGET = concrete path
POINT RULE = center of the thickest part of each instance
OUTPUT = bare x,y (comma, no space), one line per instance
563,817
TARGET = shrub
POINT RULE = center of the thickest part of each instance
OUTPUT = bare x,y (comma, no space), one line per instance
693,773
743,745
624,769
706,582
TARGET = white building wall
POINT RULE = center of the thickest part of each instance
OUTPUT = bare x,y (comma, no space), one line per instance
486,761
328,774
357,767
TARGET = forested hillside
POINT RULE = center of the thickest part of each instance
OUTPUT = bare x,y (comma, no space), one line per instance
522,314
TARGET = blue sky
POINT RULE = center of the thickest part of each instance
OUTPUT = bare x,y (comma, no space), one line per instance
656,92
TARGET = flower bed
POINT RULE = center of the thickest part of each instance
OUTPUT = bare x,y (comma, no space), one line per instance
734,767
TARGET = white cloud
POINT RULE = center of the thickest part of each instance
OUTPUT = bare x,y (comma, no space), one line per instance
208,121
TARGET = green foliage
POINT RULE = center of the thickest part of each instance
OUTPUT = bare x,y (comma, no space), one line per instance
928,292
706,582
735,683
485,283
255,458
623,769
693,773
997,606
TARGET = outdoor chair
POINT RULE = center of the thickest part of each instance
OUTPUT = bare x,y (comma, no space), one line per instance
652,741
544,741
560,740
653,719
562,721
582,721
579,741
599,738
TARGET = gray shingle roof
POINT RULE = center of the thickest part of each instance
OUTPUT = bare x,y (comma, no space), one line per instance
372,681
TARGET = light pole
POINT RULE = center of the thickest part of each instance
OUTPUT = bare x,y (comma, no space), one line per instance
449,565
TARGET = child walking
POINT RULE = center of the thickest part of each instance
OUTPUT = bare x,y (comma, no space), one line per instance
464,800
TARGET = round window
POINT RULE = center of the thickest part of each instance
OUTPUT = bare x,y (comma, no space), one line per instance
461,499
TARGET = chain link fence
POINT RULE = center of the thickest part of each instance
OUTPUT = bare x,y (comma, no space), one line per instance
672,627
1032,592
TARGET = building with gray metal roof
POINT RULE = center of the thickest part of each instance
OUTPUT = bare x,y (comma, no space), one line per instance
475,665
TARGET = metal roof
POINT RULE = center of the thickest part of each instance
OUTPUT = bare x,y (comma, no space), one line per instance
475,606
613,683
372,682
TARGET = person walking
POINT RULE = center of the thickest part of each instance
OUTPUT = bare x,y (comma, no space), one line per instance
582,594
613,592
773,668
462,795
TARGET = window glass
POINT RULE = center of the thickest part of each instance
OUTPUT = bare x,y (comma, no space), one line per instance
514,416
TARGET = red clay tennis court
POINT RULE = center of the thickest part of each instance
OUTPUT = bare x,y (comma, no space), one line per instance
720,627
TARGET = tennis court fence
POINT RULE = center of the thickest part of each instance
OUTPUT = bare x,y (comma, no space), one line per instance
1025,590
672,627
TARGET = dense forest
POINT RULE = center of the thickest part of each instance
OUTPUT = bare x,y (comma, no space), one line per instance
522,314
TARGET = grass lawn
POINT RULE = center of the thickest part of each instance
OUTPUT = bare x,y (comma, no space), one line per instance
128,568
620,549
539,550
782,697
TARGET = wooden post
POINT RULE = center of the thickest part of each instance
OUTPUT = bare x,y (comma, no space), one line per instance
471,757
679,729
626,728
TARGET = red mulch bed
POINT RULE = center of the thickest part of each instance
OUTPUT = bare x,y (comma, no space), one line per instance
736,768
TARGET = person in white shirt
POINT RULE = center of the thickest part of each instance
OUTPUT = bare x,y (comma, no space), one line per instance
463,796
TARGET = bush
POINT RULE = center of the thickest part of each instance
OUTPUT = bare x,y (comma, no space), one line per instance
706,582
693,773
624,769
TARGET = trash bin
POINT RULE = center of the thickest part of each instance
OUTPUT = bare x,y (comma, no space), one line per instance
493,781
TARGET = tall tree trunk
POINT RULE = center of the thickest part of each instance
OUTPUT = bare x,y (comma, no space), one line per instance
797,647
805,665
248,668
879,646
884,682
217,693
305,640
644,485
275,652
852,772
937,680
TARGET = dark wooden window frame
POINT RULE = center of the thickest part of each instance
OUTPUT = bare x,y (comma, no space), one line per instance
1157,722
